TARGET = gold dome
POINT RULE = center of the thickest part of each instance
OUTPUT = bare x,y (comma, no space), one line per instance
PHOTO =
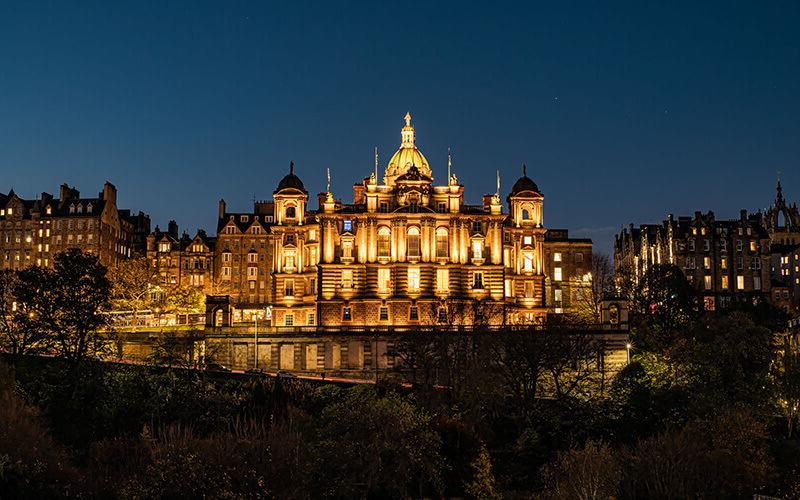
407,155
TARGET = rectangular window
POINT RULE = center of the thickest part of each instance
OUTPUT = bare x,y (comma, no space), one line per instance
477,249
529,289
740,282
383,313
347,279
384,279
527,262
413,313
707,282
706,262
441,207
557,295
723,262
753,246
527,240
557,274
384,207
312,286
557,257
477,226
477,280
757,282
289,319
507,288
706,245
288,288
442,243
347,225
578,257
739,243
413,279
442,280
346,314
310,319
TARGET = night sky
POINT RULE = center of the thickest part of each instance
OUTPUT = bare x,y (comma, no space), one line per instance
622,111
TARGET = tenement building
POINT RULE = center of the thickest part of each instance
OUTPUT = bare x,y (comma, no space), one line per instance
32,232
181,262
750,258
408,251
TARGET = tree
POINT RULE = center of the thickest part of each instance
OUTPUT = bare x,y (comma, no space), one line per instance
28,299
592,292
80,290
132,281
786,379
663,305
592,472
482,486
185,300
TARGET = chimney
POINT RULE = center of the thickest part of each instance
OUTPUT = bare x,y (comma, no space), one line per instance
221,208
110,193
487,201
172,229
321,197
67,193
743,214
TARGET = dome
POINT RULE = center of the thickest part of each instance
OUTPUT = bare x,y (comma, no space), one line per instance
524,183
407,155
291,181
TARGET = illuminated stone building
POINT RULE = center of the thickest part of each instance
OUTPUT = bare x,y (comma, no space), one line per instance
407,251
32,232
182,261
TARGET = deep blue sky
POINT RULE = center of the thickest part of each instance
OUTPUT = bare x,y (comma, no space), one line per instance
623,111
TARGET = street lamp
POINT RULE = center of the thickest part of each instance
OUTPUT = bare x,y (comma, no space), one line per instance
628,349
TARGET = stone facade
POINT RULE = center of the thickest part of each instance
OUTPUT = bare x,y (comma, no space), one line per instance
32,232
726,260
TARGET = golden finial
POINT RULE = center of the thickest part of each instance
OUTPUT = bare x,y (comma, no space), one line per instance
328,188
498,182
408,119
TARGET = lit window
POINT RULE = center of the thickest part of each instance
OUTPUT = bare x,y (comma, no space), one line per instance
707,262
740,282
477,249
347,278
347,225
442,280
527,240
413,279
413,241
557,274
527,262
557,257
707,282
723,262
557,295
384,279
288,288
384,249
507,288
442,243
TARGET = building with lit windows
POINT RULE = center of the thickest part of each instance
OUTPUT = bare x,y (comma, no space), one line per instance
752,258
32,232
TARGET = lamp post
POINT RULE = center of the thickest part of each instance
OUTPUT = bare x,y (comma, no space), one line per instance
628,349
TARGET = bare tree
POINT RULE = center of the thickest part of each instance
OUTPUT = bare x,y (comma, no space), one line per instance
132,282
591,292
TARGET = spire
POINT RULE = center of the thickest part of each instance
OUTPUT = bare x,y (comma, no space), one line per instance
498,182
449,163
779,197
291,167
376,162
409,139
524,170
328,186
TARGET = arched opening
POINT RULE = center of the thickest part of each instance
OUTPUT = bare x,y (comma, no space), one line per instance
384,248
291,212
526,214
781,219
413,242
442,243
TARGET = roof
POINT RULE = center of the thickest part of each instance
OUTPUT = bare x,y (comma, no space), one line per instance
291,181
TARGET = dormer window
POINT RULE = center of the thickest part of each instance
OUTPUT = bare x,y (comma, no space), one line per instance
89,208
72,208
80,208
47,210
163,247
242,218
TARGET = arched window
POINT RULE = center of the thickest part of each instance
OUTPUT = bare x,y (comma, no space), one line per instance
413,241
442,243
384,236
290,212
781,219
526,215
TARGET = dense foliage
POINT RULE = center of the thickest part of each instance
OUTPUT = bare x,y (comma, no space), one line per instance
707,408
